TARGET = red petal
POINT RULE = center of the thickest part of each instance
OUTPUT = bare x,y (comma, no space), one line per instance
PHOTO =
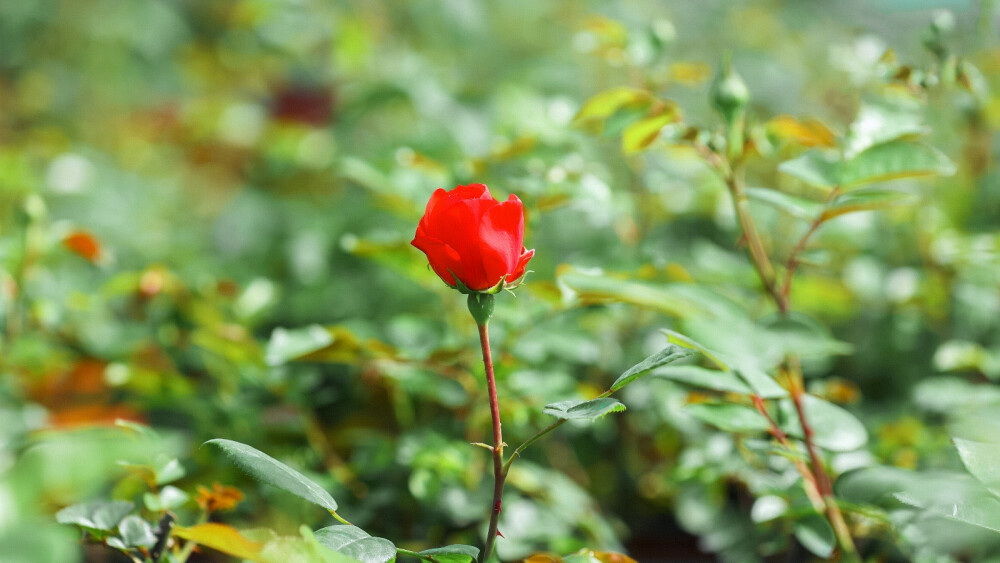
444,260
501,236
472,191
522,265
436,198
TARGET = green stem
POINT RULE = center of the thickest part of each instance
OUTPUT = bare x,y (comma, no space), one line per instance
529,441
499,476
540,433
758,256
339,518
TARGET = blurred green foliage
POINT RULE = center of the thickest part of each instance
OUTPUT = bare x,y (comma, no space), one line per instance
205,215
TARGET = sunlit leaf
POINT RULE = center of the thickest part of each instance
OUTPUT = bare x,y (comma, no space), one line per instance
220,537
689,343
729,417
695,376
982,459
689,73
815,167
758,380
590,288
880,123
894,160
795,206
135,531
603,104
98,515
640,134
808,132
584,410
303,549
268,470
168,498
288,344
356,543
955,498
666,356
869,199
767,508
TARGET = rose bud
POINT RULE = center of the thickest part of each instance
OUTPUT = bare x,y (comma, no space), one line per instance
472,241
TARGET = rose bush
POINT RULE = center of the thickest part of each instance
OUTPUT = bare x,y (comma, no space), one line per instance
474,240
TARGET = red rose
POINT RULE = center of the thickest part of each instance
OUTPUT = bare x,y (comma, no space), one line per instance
471,237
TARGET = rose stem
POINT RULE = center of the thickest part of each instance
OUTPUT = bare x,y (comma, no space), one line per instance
733,179
498,473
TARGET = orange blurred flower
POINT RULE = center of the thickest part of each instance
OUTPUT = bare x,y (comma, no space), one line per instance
221,497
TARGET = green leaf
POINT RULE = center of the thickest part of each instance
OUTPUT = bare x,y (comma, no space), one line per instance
666,356
952,497
797,207
286,345
304,549
453,554
762,383
729,417
816,168
871,485
834,428
666,299
880,123
268,470
695,376
169,498
604,104
356,543
98,515
135,532
982,459
687,342
169,472
584,410
879,163
816,535
894,160
869,199
767,508
642,133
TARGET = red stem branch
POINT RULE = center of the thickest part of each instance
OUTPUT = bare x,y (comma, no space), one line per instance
498,472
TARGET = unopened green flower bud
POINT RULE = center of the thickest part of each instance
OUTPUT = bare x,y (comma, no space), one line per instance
729,94
943,21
